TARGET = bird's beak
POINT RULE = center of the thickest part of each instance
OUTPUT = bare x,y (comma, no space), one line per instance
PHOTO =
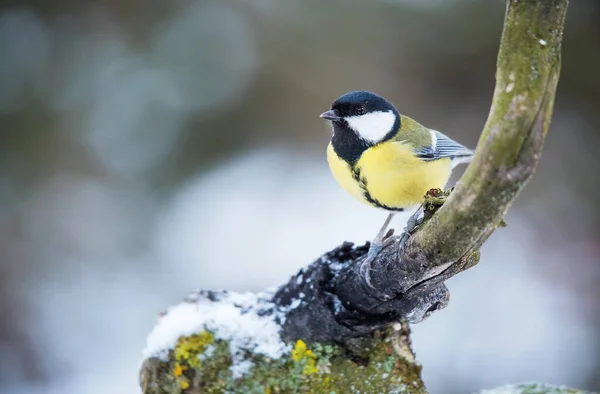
330,115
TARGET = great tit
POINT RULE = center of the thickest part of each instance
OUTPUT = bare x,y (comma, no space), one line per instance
385,159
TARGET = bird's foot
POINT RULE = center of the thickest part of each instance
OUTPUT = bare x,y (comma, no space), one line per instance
413,222
377,245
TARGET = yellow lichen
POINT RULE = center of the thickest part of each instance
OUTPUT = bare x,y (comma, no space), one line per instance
299,350
178,373
189,348
302,354
310,367
178,370
184,384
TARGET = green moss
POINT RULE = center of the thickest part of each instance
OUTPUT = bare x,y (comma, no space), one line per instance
388,364
314,368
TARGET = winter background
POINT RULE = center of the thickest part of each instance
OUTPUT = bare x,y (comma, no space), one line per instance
150,148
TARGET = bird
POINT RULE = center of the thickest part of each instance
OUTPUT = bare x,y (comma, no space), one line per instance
387,160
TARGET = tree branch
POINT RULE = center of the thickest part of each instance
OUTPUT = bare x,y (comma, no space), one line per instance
511,143
346,336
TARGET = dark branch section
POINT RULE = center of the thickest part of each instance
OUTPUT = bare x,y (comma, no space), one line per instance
335,304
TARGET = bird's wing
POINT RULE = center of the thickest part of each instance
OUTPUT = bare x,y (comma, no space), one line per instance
443,146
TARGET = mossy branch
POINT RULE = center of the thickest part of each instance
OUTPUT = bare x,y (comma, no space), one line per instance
511,143
338,334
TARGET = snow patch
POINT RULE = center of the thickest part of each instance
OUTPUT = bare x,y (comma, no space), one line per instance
295,304
248,321
240,369
338,307
336,267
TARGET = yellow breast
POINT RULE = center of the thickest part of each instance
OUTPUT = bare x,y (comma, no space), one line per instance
389,176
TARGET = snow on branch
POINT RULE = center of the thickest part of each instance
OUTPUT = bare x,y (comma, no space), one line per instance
248,322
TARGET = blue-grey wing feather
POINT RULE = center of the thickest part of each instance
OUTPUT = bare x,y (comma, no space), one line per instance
427,153
443,146
447,147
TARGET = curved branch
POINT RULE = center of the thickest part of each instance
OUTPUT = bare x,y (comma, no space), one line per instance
511,143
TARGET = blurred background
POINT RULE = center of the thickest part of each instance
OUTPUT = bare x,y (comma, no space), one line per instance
149,148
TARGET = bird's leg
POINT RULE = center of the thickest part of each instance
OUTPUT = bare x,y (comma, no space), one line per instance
379,237
376,246
411,224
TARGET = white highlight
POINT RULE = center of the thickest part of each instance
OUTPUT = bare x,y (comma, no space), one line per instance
374,126
433,139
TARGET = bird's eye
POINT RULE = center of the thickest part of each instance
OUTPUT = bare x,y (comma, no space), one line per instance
360,110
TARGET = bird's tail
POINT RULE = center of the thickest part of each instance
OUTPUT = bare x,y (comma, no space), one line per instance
462,157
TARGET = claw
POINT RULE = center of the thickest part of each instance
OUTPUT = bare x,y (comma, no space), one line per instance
365,266
403,240
412,223
376,245
381,241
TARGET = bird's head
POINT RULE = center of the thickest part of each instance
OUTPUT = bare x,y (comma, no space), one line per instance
364,116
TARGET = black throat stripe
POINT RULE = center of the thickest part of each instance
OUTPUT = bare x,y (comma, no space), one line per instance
362,183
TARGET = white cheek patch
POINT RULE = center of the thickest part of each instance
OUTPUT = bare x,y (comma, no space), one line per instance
374,126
